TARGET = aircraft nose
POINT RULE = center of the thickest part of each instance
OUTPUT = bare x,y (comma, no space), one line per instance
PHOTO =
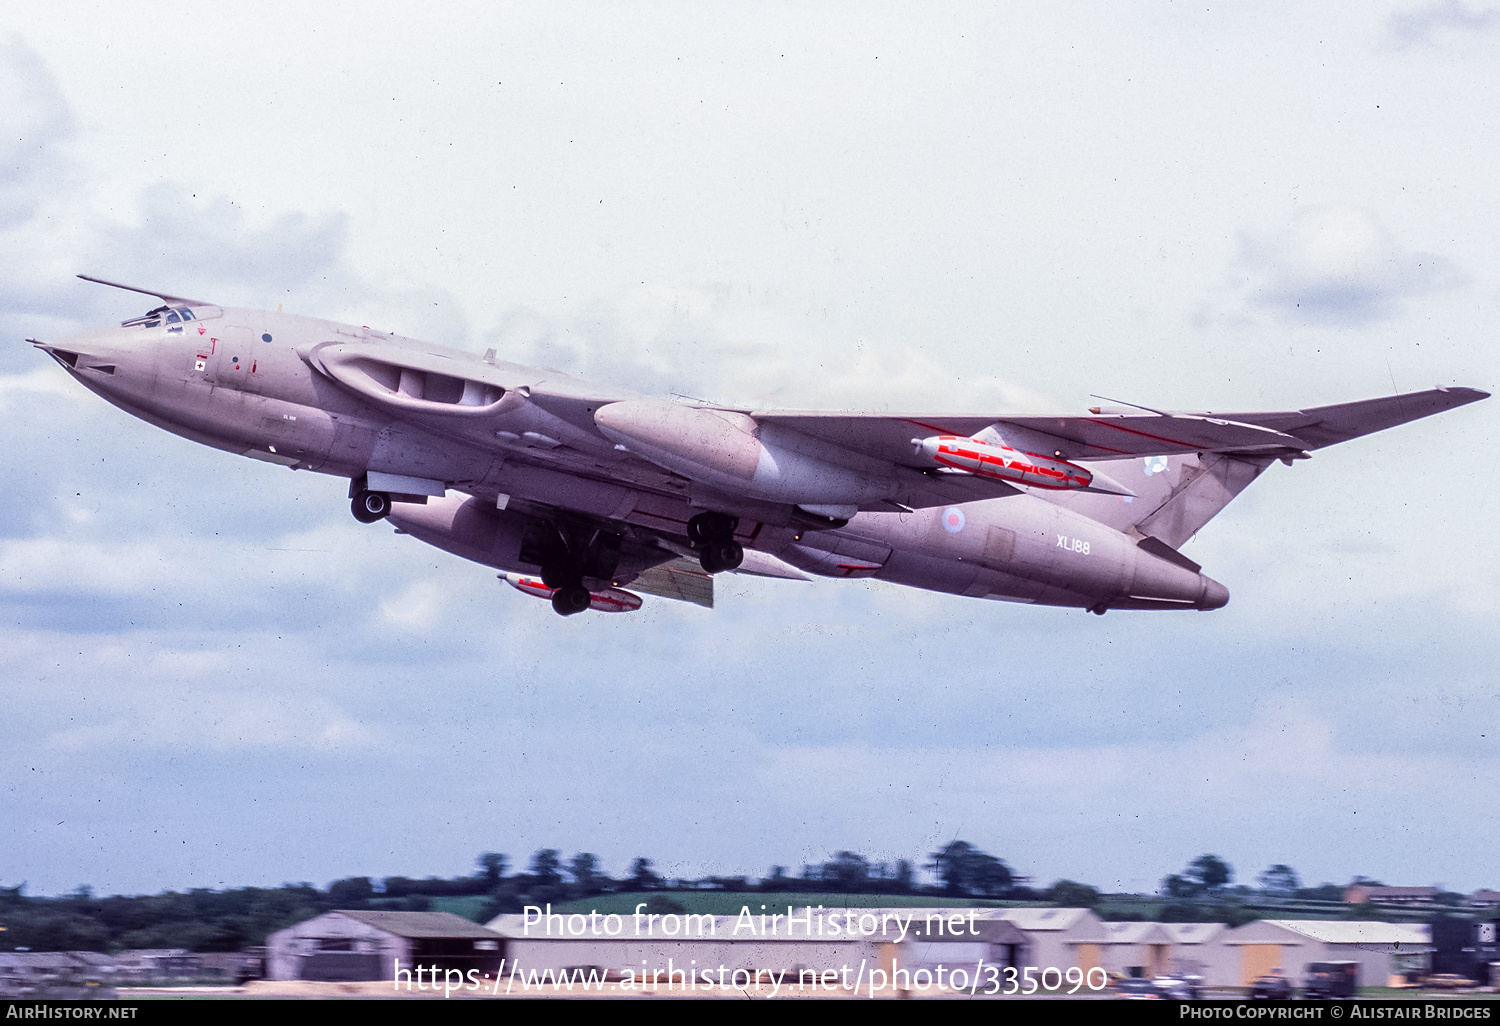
77,357
84,349
1215,595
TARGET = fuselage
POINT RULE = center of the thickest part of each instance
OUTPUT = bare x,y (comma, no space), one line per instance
496,449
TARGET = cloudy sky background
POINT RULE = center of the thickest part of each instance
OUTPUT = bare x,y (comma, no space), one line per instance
214,677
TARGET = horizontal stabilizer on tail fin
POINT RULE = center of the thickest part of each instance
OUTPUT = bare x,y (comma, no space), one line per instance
1161,550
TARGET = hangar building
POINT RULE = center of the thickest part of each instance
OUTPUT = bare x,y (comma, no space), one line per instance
365,945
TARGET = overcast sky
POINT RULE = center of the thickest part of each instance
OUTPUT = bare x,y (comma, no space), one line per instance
213,676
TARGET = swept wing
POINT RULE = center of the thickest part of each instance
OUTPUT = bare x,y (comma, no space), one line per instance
1121,436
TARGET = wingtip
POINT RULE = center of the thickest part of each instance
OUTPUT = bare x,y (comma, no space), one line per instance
1464,393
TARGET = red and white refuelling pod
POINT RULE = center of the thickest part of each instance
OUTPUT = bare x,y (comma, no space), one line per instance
1002,463
606,600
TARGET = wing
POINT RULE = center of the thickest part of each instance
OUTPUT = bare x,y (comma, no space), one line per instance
1115,436
555,431
1322,426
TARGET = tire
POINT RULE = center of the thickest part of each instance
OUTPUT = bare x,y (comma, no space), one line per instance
721,556
705,528
369,507
569,601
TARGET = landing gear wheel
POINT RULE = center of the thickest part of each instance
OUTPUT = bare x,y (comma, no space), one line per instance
570,600
1100,609
369,507
720,556
711,527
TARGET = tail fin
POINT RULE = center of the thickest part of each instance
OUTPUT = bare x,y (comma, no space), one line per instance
1197,487
1174,495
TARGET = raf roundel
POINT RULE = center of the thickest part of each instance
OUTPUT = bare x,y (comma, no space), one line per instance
953,520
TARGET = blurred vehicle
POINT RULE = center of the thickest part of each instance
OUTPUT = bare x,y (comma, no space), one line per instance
1185,987
1271,987
1139,988
1331,980
1447,981
252,965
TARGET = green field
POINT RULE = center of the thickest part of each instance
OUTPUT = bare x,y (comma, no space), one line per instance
469,907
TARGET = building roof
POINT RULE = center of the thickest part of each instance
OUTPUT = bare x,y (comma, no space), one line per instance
1395,892
138,955
1035,919
1416,936
1136,933
988,931
96,958
1193,933
418,924
58,960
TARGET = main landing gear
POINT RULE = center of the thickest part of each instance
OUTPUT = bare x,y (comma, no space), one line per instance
571,596
569,554
713,533
369,507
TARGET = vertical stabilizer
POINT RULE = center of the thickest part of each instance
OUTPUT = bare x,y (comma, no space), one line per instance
1174,495
1205,484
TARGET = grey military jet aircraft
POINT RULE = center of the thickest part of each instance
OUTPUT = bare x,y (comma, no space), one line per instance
578,492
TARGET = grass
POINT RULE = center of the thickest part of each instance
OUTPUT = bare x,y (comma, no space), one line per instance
468,906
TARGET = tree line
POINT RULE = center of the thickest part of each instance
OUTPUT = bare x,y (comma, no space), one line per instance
231,920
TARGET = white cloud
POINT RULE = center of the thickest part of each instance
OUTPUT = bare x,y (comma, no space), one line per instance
1279,789
207,245
714,342
35,122
1422,25
44,379
187,721
225,638
415,607
1332,265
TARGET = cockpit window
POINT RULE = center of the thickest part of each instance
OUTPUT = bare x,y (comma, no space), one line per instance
151,319
173,315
